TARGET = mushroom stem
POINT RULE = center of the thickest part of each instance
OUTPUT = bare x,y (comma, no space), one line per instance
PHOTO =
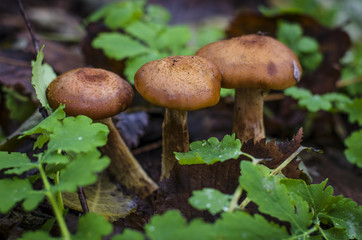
248,120
124,167
175,138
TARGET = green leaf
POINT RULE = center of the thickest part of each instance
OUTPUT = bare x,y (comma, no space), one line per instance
315,103
17,162
174,38
78,134
81,171
157,14
334,234
211,151
119,46
289,33
208,35
171,225
307,45
273,198
37,235
210,199
144,31
298,93
43,75
311,61
92,226
225,92
124,13
134,63
47,126
354,110
19,106
129,234
241,225
16,190
340,100
354,150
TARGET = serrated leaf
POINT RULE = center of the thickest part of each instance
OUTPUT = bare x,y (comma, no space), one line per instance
334,234
92,227
315,103
174,38
78,134
289,33
354,150
16,190
124,13
340,100
45,127
36,235
43,75
307,45
273,198
171,225
17,163
145,31
103,198
211,151
241,225
157,14
298,93
129,234
354,110
210,199
119,46
81,171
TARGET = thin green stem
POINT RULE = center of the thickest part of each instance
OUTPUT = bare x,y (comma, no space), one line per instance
235,199
287,161
53,202
59,197
304,234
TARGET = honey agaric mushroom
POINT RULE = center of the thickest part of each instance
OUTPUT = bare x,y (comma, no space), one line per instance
100,94
252,64
180,84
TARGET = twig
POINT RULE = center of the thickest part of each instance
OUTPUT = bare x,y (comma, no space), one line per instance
34,38
83,200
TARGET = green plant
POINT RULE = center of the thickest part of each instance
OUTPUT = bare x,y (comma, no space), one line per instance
306,48
140,34
311,211
334,103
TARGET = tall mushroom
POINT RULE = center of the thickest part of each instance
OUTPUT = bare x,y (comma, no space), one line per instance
252,64
100,94
180,84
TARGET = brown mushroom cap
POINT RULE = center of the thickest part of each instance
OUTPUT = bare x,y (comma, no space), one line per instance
93,92
180,82
254,61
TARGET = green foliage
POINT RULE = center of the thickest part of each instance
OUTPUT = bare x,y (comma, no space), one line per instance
313,102
210,199
19,106
354,150
325,13
311,211
211,151
43,75
352,70
146,35
90,226
306,48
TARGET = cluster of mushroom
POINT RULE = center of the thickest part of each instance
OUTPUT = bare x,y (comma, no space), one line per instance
252,64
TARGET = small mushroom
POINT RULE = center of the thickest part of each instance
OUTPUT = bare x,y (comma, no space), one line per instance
180,84
100,94
252,64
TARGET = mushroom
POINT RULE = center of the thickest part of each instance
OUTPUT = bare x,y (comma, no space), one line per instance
252,64
180,84
100,94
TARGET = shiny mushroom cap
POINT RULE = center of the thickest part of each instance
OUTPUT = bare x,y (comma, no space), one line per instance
180,82
254,61
93,92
